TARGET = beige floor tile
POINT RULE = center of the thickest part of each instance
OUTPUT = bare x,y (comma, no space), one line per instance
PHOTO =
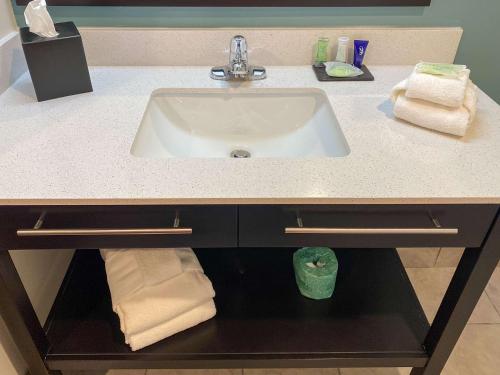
375,371
418,256
430,285
196,372
126,372
449,256
477,351
493,289
292,371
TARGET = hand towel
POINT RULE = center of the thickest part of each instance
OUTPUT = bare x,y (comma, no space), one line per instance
162,302
130,270
168,328
447,91
433,116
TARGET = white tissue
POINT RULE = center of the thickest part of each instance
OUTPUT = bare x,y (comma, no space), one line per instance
38,19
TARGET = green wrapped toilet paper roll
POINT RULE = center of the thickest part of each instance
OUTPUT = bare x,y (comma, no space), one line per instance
315,271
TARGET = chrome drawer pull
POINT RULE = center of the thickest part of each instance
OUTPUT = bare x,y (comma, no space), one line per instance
438,229
101,232
306,230
38,231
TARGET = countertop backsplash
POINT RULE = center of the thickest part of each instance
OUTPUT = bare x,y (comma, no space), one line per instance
122,46
110,46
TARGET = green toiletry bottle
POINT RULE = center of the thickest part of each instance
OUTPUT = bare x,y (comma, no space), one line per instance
321,51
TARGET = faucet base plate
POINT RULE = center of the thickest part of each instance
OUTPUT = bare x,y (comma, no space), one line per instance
224,73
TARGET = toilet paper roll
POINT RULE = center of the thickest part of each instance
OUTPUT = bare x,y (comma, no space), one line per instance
315,271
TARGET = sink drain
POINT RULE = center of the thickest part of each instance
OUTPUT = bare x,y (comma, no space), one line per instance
240,154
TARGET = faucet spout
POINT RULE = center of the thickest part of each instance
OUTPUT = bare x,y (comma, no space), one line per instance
238,67
238,56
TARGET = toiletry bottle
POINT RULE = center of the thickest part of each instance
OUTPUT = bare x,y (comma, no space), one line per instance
359,52
342,49
321,51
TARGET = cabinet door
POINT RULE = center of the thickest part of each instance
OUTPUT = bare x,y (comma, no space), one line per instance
117,226
365,225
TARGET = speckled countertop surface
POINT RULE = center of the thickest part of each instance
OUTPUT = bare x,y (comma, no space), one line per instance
76,150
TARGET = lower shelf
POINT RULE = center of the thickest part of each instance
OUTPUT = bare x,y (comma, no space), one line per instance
373,318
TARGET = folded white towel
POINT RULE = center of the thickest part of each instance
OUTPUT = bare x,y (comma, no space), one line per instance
130,270
445,119
447,91
188,259
166,329
162,302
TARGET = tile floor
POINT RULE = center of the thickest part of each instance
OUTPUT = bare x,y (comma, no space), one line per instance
477,352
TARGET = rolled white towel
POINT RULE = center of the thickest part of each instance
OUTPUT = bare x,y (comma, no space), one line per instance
168,328
433,116
130,270
162,302
447,91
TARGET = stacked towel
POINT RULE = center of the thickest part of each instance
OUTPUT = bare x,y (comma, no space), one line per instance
445,104
157,292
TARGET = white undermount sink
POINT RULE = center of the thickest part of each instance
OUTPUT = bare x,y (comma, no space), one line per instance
289,123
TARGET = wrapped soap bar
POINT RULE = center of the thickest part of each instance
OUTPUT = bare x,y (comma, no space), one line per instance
342,70
315,271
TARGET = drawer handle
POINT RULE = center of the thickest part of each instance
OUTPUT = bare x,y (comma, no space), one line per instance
437,229
306,230
38,231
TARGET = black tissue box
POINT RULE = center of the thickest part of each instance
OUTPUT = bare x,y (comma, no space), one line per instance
57,65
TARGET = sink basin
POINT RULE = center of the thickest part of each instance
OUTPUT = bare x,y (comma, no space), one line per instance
289,123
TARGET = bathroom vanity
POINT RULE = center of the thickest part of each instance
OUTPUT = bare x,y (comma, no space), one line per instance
69,181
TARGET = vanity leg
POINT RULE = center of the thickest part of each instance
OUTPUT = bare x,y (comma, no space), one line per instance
20,318
465,289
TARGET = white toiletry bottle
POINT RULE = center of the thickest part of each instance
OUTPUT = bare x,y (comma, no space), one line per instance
342,49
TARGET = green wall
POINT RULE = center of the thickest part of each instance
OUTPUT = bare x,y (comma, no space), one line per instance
479,49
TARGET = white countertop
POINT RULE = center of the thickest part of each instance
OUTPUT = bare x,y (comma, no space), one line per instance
76,150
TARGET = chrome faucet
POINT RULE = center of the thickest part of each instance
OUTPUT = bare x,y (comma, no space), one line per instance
238,68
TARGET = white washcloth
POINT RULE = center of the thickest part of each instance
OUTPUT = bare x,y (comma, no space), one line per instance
165,301
447,91
130,270
433,116
182,322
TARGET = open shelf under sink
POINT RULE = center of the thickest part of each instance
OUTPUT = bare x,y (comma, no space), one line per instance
373,318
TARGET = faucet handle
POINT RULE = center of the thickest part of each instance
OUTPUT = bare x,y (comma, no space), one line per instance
238,55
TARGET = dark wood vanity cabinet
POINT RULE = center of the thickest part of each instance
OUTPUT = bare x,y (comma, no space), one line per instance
362,226
63,227
357,226
374,318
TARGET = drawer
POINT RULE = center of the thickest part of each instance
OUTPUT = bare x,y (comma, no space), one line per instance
117,226
365,225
